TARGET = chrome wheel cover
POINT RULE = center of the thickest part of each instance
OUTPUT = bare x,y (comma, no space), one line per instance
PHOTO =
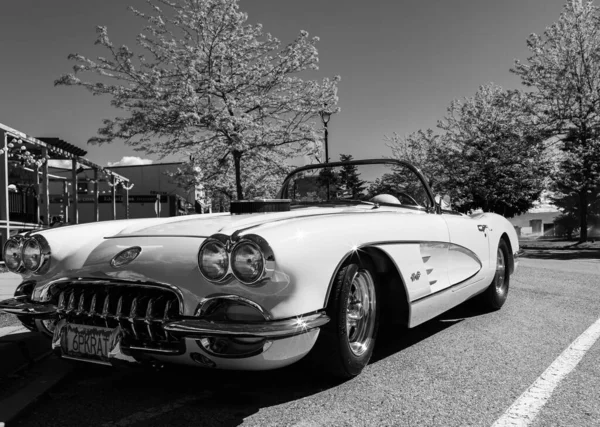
500,273
360,312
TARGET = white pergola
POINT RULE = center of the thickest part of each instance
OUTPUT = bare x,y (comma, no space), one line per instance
23,151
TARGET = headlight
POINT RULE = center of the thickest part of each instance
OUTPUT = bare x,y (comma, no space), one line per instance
213,260
35,252
12,253
247,262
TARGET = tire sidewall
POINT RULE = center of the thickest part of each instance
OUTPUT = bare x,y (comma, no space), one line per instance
498,299
352,363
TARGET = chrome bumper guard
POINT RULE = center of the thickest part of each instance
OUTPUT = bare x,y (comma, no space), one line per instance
197,328
20,306
518,254
194,328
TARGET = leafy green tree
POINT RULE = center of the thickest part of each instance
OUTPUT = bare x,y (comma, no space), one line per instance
569,204
564,71
488,156
349,178
209,85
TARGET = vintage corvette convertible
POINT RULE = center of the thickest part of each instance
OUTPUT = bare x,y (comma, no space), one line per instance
344,248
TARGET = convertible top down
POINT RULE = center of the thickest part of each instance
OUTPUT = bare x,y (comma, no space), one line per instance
343,248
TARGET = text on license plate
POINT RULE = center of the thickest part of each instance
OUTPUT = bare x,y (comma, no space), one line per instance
88,341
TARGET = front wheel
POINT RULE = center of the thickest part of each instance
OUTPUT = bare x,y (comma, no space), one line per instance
346,343
495,295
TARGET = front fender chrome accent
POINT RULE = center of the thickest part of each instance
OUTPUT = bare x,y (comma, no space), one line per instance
198,328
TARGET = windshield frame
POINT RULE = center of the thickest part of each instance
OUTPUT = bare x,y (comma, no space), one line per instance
282,194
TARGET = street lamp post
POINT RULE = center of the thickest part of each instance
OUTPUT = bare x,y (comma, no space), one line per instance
325,116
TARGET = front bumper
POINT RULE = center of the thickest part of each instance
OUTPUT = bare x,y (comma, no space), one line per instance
285,341
195,327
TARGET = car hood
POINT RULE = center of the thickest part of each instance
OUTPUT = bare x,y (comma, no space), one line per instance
208,224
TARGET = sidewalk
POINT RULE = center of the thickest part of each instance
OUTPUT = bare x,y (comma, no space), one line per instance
19,348
8,284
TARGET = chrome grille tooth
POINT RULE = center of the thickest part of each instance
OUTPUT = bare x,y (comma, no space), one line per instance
132,316
92,311
62,303
133,309
119,312
81,304
149,318
71,305
156,307
105,309
167,308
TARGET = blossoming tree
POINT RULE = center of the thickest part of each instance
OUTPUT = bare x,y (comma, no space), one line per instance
209,86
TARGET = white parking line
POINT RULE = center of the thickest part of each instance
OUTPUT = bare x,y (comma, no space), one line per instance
529,404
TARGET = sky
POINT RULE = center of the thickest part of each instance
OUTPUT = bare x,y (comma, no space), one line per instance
401,61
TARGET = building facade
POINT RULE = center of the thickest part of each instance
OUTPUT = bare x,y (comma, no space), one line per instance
151,192
25,180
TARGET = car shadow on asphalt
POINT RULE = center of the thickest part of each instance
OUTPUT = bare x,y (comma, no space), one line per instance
226,398
563,255
392,340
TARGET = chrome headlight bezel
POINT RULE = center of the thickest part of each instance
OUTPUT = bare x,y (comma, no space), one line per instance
18,239
44,253
237,274
231,244
222,245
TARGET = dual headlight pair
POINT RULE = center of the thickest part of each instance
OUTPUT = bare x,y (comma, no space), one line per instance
247,260
26,253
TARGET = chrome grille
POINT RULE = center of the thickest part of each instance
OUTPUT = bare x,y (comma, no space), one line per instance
140,311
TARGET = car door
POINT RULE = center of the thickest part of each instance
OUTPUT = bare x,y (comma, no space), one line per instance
468,251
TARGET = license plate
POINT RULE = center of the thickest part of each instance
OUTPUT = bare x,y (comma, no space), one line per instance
88,342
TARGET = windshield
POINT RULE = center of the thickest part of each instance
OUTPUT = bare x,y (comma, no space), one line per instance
386,182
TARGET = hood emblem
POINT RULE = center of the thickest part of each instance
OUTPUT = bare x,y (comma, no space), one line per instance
125,257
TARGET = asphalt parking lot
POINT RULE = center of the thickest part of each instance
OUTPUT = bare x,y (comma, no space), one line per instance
466,367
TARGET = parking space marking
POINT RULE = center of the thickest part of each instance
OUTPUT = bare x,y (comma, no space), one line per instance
156,412
524,410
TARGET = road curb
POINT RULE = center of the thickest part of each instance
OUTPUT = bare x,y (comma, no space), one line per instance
19,350
530,248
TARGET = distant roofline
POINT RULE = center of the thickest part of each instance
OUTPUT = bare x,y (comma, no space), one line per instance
149,164
123,166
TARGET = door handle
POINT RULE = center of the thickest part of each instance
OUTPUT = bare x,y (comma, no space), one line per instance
482,228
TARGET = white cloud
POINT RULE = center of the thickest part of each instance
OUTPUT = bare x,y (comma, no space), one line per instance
131,161
63,164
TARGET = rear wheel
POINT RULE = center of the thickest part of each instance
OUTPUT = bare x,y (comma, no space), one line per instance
346,343
495,295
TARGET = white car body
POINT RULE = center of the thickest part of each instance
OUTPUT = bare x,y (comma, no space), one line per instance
431,261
